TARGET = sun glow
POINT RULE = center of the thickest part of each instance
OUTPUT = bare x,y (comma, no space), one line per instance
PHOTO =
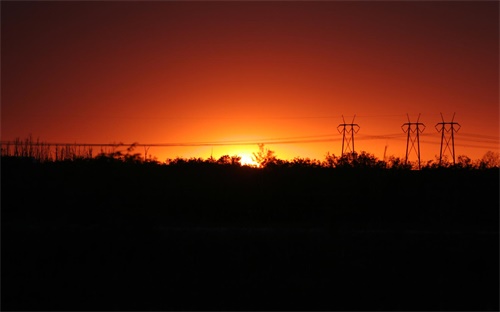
247,160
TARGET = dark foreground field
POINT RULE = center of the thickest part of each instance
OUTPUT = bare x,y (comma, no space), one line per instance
116,236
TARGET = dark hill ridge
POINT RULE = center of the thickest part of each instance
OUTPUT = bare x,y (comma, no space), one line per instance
97,235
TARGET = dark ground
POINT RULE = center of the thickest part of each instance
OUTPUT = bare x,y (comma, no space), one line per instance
114,236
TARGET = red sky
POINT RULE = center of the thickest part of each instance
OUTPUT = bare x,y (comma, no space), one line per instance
256,71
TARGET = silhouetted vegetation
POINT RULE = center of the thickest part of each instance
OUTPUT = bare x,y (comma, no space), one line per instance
43,152
119,231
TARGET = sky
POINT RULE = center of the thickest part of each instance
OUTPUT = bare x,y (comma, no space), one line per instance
218,77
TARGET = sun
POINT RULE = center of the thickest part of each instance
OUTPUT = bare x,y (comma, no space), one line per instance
246,160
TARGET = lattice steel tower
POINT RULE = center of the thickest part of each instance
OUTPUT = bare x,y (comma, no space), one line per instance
348,131
413,129
448,128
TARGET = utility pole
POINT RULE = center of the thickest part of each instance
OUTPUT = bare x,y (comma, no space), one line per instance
449,128
413,129
350,130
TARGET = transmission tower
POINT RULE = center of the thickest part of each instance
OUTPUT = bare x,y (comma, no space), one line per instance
413,129
449,128
348,131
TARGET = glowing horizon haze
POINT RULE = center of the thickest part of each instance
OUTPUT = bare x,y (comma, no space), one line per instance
280,73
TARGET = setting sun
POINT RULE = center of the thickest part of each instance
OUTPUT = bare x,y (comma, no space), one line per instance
247,160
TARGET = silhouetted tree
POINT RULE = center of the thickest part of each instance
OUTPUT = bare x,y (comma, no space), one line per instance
264,157
346,160
176,161
330,161
367,160
229,160
236,160
490,160
224,160
394,162
305,163
464,162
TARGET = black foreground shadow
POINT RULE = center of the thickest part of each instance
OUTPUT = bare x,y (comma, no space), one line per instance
115,236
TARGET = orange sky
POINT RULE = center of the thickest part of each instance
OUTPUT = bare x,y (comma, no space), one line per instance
183,72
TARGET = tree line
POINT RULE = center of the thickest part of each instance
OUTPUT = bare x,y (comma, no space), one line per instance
264,158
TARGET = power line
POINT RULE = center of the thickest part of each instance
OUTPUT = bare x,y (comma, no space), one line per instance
190,144
280,140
